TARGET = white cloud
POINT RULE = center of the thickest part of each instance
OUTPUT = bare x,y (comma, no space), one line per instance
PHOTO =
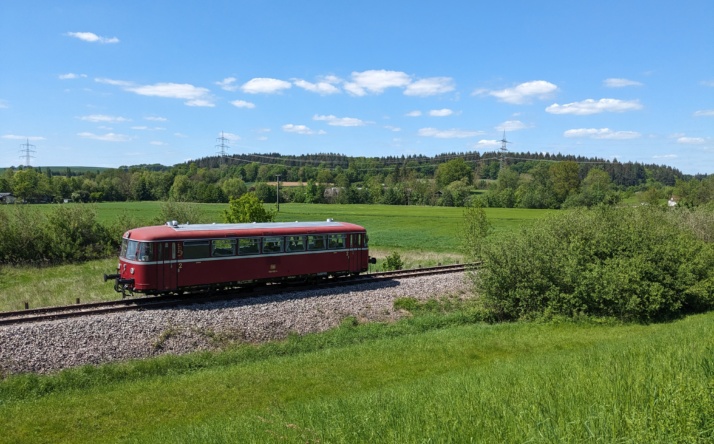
376,81
522,93
691,140
300,129
228,84
441,112
620,83
262,85
243,104
666,156
488,143
96,118
323,87
447,134
92,37
704,113
16,137
590,106
339,121
415,113
156,119
148,128
512,125
71,75
109,137
193,95
396,129
230,136
430,86
602,133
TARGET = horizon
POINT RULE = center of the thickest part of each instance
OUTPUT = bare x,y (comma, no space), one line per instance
128,84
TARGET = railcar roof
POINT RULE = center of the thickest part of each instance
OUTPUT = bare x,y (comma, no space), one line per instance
195,231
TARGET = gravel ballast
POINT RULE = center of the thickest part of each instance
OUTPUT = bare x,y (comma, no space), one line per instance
50,346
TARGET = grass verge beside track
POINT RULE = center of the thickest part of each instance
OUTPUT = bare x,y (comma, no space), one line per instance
434,377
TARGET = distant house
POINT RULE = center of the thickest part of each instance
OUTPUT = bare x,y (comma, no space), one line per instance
7,198
672,202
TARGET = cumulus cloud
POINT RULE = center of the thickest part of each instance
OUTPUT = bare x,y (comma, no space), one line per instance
620,83
523,93
376,81
156,119
339,121
691,140
590,106
263,85
71,75
108,137
512,125
92,37
101,118
415,113
484,143
323,87
17,137
704,113
228,84
444,112
193,95
300,129
602,133
447,134
243,104
430,86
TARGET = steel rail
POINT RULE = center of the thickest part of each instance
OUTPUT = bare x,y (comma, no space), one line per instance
166,301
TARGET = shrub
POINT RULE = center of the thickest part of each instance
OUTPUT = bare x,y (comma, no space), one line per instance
393,262
634,264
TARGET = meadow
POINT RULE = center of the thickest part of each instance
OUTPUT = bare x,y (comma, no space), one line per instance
434,377
423,236
438,375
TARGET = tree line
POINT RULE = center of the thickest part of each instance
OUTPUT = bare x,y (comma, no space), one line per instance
524,180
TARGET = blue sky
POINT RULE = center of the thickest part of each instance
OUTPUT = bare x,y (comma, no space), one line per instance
94,83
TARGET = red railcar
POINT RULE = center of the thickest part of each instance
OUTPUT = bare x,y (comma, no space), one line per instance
175,258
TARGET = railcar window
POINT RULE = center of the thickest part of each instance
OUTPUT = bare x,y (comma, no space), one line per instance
316,242
272,245
130,251
145,252
337,241
196,249
248,246
294,243
223,247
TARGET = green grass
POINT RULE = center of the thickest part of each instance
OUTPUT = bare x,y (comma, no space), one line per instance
429,378
424,236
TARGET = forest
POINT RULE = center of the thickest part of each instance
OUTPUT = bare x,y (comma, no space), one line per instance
515,180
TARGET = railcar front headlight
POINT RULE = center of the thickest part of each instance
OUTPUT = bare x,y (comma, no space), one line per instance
131,270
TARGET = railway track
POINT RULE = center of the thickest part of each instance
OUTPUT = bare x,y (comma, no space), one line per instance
155,302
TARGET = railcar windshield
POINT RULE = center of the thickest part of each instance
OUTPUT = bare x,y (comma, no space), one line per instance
129,249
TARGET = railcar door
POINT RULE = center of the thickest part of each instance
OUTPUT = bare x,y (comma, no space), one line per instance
355,251
168,267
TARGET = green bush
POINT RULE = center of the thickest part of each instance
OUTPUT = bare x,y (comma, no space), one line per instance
633,264
63,234
393,262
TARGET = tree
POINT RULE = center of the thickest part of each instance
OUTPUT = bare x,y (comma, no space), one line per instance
247,208
453,170
566,179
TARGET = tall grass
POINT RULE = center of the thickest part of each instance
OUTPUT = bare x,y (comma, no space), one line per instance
424,379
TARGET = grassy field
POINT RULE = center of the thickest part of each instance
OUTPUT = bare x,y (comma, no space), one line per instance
429,378
423,236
